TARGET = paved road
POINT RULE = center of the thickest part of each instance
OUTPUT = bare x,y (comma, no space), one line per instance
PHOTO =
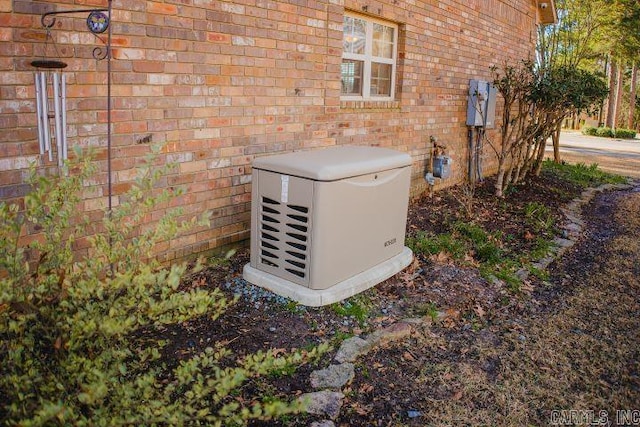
612,155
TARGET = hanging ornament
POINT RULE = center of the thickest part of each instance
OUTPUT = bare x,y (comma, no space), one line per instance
97,22
48,72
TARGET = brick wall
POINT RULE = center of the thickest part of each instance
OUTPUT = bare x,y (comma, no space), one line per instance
221,82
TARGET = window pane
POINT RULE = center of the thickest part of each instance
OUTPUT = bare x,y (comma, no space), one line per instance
351,77
354,35
383,38
380,79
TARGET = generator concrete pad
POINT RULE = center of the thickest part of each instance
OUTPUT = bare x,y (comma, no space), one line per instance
338,292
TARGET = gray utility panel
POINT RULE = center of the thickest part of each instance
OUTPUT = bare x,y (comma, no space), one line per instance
481,106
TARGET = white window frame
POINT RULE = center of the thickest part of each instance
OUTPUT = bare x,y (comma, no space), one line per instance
367,58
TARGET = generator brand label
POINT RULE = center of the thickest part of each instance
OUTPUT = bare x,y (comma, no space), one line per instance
389,242
284,188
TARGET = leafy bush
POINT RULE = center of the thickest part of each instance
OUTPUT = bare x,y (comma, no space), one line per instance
539,217
609,133
70,329
484,245
429,244
465,238
583,175
535,102
604,132
358,306
625,133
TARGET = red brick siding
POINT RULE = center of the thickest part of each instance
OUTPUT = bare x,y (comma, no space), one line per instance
223,82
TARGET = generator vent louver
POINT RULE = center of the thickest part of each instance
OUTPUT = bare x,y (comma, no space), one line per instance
284,237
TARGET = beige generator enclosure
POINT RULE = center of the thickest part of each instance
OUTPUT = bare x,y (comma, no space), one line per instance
328,224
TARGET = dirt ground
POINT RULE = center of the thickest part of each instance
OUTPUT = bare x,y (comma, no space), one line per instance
491,356
572,344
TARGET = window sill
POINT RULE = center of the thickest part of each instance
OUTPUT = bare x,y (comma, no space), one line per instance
370,105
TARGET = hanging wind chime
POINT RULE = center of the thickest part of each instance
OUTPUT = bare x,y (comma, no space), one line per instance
48,73
50,81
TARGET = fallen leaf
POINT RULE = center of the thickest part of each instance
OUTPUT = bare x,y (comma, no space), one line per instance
527,287
360,410
452,313
365,388
449,323
278,351
468,258
441,258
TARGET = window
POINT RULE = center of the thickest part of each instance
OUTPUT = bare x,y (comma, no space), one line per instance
368,58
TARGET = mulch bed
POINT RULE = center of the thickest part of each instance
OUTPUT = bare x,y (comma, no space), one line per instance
453,371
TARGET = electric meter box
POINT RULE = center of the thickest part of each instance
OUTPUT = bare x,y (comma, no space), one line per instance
328,224
481,105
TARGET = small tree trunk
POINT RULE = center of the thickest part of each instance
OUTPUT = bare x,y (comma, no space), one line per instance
508,178
632,95
619,86
555,137
603,105
541,149
500,177
611,101
515,174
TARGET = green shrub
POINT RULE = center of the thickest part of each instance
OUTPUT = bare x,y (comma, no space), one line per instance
539,217
484,245
429,244
488,252
358,306
581,174
472,231
70,329
604,132
625,133
608,132
541,248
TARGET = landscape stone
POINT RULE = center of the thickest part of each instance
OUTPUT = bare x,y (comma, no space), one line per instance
394,332
573,228
334,377
351,349
414,320
324,423
323,402
563,243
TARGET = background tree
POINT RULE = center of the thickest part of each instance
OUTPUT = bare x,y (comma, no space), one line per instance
598,36
573,41
622,42
632,96
629,23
